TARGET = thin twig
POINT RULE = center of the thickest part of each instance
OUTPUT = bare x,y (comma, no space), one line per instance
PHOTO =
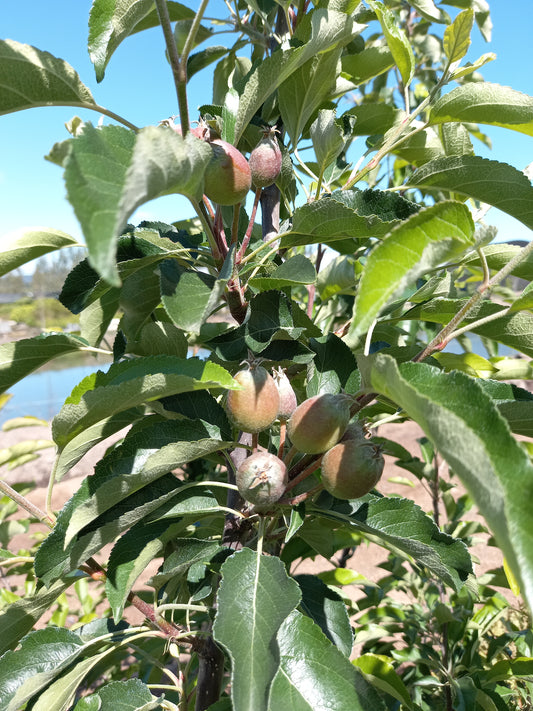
23,502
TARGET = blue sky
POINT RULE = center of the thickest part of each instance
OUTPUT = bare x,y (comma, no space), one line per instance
138,85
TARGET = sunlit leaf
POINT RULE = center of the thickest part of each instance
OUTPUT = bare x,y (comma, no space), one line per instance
328,30
20,358
23,246
397,40
485,103
457,36
111,171
482,452
129,384
254,598
112,21
418,244
31,78
300,682
497,184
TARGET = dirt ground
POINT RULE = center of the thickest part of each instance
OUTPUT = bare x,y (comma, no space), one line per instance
365,561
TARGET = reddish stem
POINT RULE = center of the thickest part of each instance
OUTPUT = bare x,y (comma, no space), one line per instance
96,572
303,475
220,235
282,436
235,225
248,235
301,497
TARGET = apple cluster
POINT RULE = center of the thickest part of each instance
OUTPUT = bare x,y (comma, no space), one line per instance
229,176
351,465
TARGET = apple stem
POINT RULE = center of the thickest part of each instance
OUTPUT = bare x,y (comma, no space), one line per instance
248,235
282,436
303,475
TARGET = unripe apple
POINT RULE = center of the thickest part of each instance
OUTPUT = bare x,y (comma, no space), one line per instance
261,479
351,469
287,396
355,430
227,178
319,422
265,160
256,406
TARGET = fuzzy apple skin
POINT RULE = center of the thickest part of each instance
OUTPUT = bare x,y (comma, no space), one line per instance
261,479
355,430
227,178
287,396
319,422
265,161
256,406
351,469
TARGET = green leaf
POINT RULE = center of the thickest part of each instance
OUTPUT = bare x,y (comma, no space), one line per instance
470,363
482,452
332,367
295,271
29,446
254,598
524,301
373,119
327,138
130,384
327,609
514,403
230,111
498,255
397,40
31,78
337,277
20,616
20,358
301,682
129,695
52,559
188,552
346,214
272,317
112,21
158,448
329,29
77,447
514,330
418,244
60,694
367,65
455,139
380,670
191,500
111,171
430,11
190,296
470,68
302,93
129,558
401,525
421,148
23,246
457,36
485,103
201,60
42,655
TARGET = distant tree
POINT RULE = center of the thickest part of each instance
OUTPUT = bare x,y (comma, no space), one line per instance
13,283
51,271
